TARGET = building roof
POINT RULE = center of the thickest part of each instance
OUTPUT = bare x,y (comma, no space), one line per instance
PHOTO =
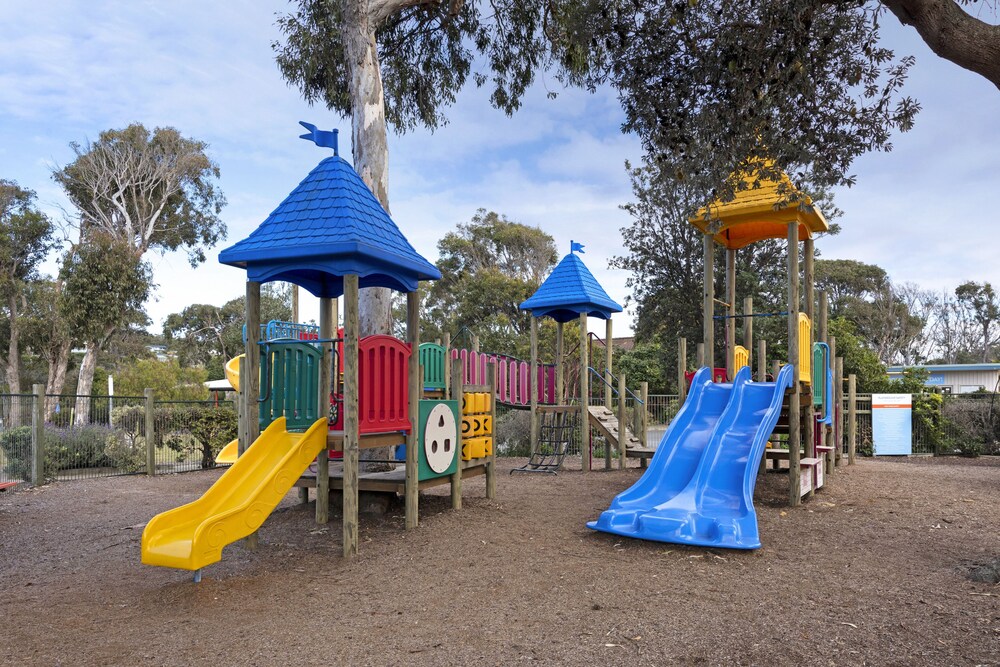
330,226
762,212
569,291
940,368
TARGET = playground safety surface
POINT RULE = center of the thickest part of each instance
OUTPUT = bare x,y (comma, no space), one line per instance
874,570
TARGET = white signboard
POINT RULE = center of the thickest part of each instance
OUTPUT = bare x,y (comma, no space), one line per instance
892,424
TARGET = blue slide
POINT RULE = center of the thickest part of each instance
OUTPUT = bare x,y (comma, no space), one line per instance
698,489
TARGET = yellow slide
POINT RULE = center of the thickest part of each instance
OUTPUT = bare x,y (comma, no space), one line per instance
231,451
193,535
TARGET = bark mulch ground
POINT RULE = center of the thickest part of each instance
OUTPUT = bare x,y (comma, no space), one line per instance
895,562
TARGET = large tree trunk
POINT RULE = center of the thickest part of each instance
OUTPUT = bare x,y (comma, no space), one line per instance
370,150
369,140
85,383
58,359
13,351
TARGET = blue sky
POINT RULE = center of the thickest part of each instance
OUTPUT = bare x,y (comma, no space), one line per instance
925,211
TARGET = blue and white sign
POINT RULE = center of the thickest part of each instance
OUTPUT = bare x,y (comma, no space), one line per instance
935,380
892,424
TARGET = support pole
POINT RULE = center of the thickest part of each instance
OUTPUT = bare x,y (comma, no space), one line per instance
731,311
607,365
708,305
533,388
682,356
447,363
644,414
491,460
352,453
837,433
584,396
38,435
622,421
699,355
830,429
748,329
762,360
456,477
794,405
808,251
824,319
560,379
327,330
412,461
295,303
852,417
150,414
250,383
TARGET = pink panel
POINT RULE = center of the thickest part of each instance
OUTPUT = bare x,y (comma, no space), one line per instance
523,380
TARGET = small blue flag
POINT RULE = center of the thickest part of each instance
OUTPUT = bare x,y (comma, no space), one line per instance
327,139
576,247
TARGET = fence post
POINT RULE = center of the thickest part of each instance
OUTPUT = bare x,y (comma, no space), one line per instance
622,422
852,417
682,353
38,435
150,433
644,414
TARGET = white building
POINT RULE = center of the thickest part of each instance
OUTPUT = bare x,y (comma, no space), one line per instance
957,378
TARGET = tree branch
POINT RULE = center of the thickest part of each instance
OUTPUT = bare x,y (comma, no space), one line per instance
380,10
953,34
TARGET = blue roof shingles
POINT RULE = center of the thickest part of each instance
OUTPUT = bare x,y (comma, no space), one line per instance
569,291
330,225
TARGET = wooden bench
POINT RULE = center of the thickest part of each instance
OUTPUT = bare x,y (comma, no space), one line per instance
7,485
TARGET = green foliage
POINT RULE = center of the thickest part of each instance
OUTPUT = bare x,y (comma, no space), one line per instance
146,190
26,237
90,446
168,380
858,359
192,431
848,280
490,266
646,362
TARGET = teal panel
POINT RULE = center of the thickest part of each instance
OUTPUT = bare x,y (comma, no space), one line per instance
820,366
439,446
290,384
432,361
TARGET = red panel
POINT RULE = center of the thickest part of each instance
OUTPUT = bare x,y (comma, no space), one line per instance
383,384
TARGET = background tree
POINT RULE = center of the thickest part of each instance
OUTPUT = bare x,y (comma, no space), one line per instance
134,191
26,237
168,379
980,302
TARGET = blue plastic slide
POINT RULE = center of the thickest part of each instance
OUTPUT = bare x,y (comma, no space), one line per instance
698,489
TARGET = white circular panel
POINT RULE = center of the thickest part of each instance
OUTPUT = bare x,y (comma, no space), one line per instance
440,438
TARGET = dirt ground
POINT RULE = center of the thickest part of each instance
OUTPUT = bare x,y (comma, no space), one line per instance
875,570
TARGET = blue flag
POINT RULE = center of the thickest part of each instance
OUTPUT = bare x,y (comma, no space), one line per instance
576,247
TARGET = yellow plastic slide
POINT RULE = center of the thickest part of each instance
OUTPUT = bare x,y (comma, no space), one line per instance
193,535
231,451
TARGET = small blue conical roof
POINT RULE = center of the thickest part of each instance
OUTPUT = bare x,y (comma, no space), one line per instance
569,291
330,226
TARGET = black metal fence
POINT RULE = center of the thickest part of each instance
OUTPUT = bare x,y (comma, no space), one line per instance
83,437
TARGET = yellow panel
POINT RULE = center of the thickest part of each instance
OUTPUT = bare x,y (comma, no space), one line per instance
466,450
193,535
468,427
741,358
468,403
487,424
486,403
805,349
488,447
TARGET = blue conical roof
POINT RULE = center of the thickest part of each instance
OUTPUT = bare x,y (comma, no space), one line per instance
569,291
330,226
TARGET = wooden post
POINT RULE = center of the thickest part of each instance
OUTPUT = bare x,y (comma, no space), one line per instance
837,432
607,364
731,313
644,414
700,355
491,463
808,251
748,328
775,368
708,305
622,421
559,365
762,360
295,303
824,318
475,343
447,363
327,330
584,396
794,407
38,435
852,417
456,477
151,432
241,411
250,383
352,454
831,428
412,459
682,356
533,388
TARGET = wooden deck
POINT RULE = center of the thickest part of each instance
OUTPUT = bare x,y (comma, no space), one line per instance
391,481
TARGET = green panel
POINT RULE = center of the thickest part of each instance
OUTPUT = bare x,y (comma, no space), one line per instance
446,437
819,366
432,361
290,384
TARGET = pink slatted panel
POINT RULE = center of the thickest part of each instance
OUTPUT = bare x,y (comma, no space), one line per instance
503,381
383,384
522,378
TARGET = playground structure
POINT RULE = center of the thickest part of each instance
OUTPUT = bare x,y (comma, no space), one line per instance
300,400
699,487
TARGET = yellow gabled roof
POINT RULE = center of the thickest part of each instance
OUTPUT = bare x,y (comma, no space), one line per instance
751,216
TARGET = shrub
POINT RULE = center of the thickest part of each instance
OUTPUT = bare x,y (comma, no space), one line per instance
190,430
65,449
513,433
